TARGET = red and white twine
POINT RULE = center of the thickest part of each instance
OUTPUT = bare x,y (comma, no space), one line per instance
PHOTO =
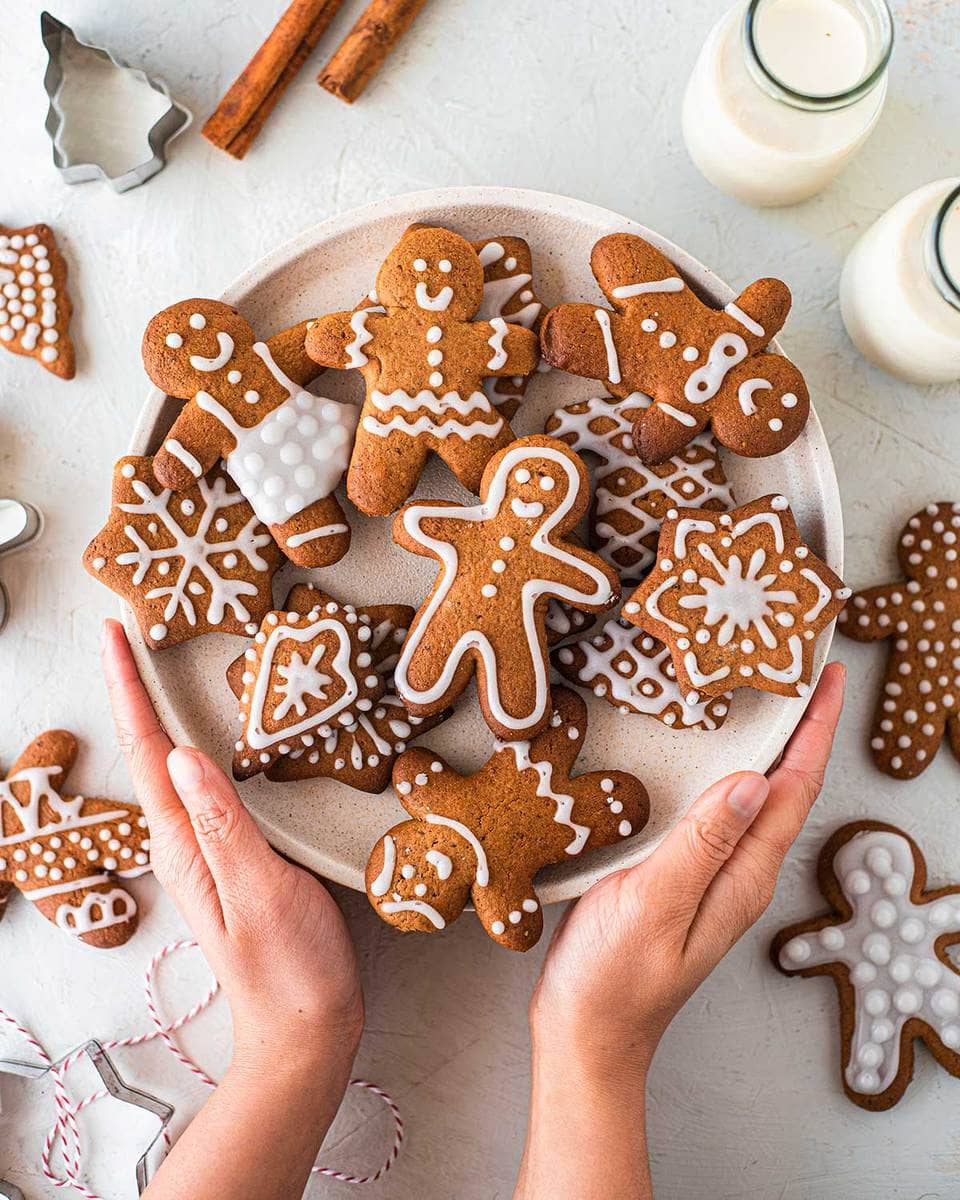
66,1128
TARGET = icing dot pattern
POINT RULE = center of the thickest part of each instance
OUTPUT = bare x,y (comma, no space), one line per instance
34,306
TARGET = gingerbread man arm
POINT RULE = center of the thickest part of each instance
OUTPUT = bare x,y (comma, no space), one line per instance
583,339
513,350
416,522
576,583
56,747
414,771
338,339
873,613
289,352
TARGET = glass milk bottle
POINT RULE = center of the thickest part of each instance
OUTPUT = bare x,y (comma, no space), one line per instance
784,93
900,287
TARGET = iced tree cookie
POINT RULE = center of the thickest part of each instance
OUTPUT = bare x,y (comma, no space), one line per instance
501,561
424,357
701,366
482,838
35,305
885,944
921,692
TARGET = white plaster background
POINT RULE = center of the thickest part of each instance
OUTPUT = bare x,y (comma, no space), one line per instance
579,97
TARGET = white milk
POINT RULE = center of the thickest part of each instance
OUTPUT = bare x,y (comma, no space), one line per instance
783,94
898,291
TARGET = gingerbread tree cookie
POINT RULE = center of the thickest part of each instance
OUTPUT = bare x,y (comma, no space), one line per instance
424,358
67,853
738,598
285,448
921,692
35,306
483,837
501,561
885,944
701,366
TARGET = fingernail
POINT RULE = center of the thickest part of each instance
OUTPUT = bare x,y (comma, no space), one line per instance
747,795
185,767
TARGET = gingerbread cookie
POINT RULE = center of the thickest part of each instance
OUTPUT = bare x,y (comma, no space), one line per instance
508,293
285,448
483,837
700,365
921,693
188,564
424,358
35,306
67,853
885,944
630,498
738,598
500,562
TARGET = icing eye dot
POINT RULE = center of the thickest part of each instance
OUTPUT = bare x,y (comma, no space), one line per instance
522,475
419,264
198,321
547,483
174,341
445,265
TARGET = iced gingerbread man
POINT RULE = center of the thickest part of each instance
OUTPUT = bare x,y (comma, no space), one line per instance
424,359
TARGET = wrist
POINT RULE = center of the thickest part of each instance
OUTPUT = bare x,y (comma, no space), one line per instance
296,1046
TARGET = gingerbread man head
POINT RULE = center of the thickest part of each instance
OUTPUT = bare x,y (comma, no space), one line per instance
433,270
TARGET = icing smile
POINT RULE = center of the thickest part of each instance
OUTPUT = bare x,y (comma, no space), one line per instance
437,303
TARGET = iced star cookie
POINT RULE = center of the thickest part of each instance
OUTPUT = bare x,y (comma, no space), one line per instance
69,855
738,598
701,366
508,293
482,838
885,944
35,306
921,692
424,356
187,564
501,561
285,448
630,498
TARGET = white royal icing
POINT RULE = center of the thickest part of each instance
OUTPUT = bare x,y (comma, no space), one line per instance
563,801
28,296
381,884
438,303
362,336
628,290
225,342
483,871
495,341
602,318
97,910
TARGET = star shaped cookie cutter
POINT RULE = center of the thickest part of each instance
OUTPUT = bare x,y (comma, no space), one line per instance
60,41
20,524
10,1191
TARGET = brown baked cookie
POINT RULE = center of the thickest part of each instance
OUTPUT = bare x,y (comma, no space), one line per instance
35,305
921,692
424,357
885,943
700,365
738,598
67,853
285,448
483,837
501,561
508,292
187,564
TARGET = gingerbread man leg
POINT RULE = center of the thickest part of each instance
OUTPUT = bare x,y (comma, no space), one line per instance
462,458
908,725
383,470
318,536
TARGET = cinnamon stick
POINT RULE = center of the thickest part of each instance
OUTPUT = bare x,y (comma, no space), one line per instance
362,52
242,112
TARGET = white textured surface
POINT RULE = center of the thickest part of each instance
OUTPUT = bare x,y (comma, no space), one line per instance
745,1098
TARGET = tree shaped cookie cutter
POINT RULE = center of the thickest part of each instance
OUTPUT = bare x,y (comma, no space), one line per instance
59,39
20,524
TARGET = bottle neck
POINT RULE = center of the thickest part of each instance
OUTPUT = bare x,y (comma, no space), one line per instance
942,231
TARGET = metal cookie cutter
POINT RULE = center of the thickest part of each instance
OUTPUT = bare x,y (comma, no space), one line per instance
10,1191
20,524
62,44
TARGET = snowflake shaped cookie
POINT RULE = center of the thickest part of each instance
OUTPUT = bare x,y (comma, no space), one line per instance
188,564
481,838
921,616
738,598
35,306
885,945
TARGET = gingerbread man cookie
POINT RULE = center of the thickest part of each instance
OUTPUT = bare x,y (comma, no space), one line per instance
35,306
885,944
500,562
508,292
483,837
700,365
738,598
285,448
424,358
67,853
921,693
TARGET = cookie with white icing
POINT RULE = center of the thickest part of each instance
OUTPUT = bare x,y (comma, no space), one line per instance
885,943
500,562
701,366
920,701
187,563
482,838
424,356
70,855
739,599
35,305
285,448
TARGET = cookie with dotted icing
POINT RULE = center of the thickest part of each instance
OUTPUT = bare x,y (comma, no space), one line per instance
885,943
187,563
70,855
739,599
701,366
482,838
35,305
285,448
921,691
424,355
630,498
500,561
